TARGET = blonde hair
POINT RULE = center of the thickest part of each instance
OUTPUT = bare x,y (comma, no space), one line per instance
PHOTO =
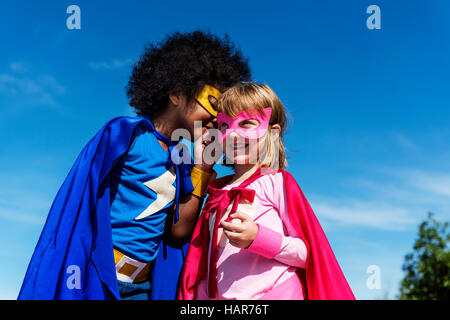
250,96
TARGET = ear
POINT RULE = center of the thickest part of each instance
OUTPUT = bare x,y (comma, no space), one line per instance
175,99
275,129
276,126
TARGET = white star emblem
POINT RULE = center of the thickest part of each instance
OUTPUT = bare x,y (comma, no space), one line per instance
165,192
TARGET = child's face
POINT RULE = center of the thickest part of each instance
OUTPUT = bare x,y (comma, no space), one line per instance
241,150
194,113
243,135
202,109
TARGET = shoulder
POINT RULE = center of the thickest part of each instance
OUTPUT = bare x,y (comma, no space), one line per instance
274,179
275,183
136,132
121,128
269,184
116,133
127,122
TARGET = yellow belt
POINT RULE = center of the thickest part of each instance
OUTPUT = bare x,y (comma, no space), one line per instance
130,270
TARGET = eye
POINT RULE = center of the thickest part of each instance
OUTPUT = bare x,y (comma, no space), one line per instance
249,124
213,101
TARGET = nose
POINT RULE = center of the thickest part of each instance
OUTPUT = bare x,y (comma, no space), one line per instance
231,136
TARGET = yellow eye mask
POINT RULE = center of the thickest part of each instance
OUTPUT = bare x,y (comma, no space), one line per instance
203,98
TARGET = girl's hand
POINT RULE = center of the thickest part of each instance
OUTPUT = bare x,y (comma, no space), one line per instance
240,235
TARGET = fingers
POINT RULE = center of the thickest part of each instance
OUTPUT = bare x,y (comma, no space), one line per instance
240,235
236,227
233,227
236,239
242,216
232,236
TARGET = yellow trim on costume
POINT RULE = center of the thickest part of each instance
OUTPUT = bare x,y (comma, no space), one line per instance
203,98
117,256
130,270
200,180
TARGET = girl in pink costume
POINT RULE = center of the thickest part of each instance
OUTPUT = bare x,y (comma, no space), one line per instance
257,237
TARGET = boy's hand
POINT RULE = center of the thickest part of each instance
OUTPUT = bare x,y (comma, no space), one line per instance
206,160
240,235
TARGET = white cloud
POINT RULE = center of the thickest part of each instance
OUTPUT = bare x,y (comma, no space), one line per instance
19,67
370,214
436,183
394,199
49,82
21,204
111,65
19,217
40,90
404,141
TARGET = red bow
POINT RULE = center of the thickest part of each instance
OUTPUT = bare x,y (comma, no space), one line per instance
219,200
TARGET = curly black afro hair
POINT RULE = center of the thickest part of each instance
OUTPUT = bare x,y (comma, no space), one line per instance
182,64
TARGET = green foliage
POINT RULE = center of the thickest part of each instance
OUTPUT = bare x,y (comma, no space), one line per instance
427,268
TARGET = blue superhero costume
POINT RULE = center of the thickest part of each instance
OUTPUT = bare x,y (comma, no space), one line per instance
143,187
78,228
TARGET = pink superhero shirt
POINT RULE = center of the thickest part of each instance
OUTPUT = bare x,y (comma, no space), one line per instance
267,269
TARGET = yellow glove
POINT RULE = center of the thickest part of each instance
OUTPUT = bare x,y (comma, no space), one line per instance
200,180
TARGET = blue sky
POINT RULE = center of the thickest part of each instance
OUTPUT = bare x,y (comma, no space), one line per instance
369,136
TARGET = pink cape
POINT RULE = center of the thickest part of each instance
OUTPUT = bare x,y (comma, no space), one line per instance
321,280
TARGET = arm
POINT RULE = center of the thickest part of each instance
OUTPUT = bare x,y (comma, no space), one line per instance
265,242
273,245
190,206
286,247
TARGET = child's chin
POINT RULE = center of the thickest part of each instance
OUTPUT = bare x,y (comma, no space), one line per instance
242,160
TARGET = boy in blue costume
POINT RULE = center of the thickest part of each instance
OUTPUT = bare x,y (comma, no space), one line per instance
117,226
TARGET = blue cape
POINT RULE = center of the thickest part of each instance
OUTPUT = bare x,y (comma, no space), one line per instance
76,240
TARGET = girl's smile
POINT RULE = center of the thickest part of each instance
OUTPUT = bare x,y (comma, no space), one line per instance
240,147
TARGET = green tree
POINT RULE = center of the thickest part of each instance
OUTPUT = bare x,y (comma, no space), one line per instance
427,268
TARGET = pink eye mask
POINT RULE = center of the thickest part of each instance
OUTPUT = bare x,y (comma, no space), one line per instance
234,123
